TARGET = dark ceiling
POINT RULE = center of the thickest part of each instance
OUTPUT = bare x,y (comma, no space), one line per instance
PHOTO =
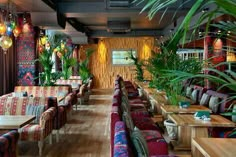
91,16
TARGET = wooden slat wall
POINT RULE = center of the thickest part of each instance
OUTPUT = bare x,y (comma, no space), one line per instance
100,62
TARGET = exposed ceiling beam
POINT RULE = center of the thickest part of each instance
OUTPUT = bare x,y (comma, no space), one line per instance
76,24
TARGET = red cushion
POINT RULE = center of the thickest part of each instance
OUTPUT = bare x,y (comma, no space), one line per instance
158,147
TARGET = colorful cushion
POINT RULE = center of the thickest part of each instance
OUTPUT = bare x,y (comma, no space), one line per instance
214,104
194,95
205,99
75,85
139,143
36,110
20,94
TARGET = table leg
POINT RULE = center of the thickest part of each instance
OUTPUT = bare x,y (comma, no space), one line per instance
198,132
184,139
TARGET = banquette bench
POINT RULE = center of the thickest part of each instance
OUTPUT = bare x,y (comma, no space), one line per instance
45,114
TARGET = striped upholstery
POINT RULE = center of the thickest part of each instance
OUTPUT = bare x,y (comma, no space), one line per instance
75,77
17,106
8,144
53,91
69,82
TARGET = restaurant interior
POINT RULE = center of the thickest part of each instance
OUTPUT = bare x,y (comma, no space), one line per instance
118,78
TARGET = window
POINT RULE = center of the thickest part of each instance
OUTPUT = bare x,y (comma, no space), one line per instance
123,57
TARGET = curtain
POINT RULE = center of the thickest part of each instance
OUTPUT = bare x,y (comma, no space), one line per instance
8,70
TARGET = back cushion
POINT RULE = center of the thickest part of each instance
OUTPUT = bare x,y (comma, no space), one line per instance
139,143
189,92
17,105
120,140
205,100
214,104
36,110
194,95
128,121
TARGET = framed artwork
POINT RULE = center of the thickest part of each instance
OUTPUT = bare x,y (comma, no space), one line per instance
123,57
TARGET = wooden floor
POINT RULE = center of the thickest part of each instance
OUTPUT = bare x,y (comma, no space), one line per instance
87,132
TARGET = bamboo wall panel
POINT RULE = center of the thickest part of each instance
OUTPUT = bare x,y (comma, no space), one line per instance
101,61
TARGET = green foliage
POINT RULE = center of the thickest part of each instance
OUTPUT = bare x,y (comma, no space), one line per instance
160,65
222,7
84,72
139,70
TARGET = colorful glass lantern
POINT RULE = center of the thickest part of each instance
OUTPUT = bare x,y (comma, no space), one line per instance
17,31
5,42
2,28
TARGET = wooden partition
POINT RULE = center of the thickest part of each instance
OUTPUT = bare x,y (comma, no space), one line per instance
101,60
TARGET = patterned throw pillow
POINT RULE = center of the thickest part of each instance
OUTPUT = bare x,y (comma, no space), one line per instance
188,92
36,110
75,85
20,94
139,143
194,95
205,99
214,104
61,97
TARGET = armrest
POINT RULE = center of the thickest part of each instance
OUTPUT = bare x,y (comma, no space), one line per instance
9,141
47,116
7,95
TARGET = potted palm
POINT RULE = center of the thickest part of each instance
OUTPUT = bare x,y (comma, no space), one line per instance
64,52
84,72
47,77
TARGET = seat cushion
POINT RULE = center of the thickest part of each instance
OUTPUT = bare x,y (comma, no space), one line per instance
158,147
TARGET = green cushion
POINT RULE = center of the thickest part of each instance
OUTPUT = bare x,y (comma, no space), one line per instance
139,143
36,110
214,104
128,121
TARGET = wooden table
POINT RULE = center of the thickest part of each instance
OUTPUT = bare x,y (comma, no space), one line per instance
195,128
10,122
214,147
167,109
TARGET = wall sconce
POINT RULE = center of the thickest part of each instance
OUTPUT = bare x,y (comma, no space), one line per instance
102,51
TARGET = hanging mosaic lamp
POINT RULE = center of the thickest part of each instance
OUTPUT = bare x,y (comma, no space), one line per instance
9,29
16,31
2,28
5,43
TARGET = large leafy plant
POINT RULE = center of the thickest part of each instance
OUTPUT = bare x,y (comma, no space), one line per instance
138,64
84,71
227,7
46,51
64,52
